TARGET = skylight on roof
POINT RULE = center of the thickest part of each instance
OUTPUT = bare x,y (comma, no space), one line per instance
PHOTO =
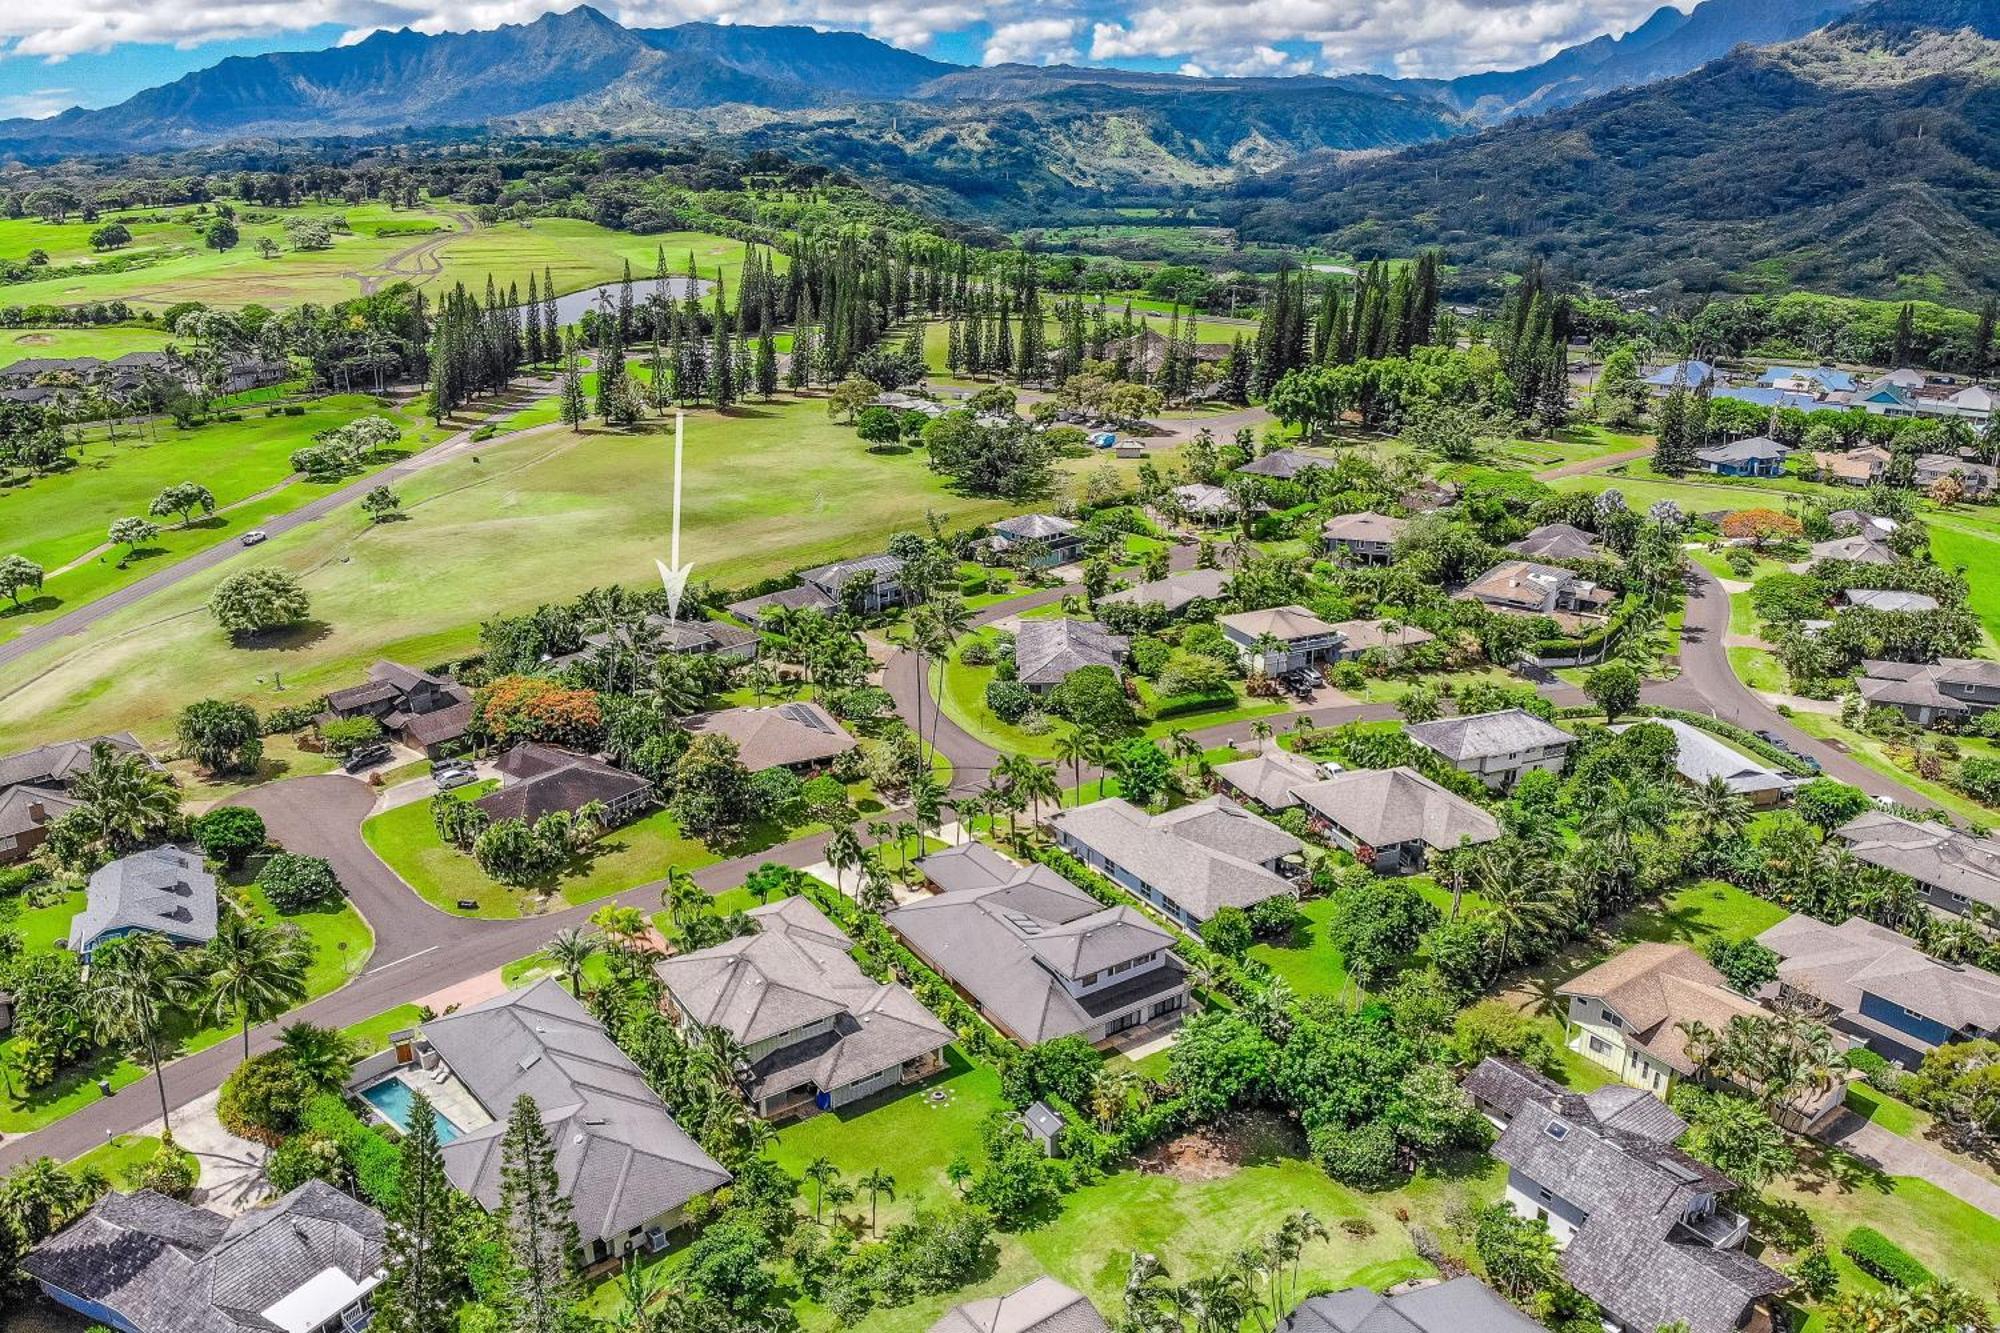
1557,1130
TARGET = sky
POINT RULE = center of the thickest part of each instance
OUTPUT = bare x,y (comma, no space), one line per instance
97,52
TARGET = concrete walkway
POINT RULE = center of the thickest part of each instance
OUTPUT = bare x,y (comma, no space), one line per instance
1898,1156
232,1168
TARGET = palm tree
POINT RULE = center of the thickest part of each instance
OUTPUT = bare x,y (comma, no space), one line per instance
569,952
254,972
132,990
129,800
43,1198
1520,906
821,1172
877,1182
682,897
1073,747
323,1057
1261,730
843,851
1714,812
949,622
1034,783
1184,747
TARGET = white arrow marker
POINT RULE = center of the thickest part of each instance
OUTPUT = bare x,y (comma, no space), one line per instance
673,573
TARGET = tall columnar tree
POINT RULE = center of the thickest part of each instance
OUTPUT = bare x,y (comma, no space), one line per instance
542,1238
572,402
421,1292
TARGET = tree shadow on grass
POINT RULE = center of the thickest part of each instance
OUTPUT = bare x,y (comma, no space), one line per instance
285,638
30,606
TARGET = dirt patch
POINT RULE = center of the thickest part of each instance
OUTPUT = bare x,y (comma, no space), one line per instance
1220,1150
35,339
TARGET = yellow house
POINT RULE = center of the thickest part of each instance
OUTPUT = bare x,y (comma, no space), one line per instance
1625,1013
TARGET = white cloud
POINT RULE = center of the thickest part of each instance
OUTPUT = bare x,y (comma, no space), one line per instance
1034,42
1417,37
36,103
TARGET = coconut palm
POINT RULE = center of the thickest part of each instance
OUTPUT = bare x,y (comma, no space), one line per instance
569,953
1033,783
43,1198
129,800
821,1172
322,1057
627,928
1714,812
1073,747
1521,904
877,1182
682,897
843,851
254,972
134,988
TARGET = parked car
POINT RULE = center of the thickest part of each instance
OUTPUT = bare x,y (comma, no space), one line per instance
365,757
254,536
455,777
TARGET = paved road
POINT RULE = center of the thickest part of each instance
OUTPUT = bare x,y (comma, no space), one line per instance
81,619
1598,464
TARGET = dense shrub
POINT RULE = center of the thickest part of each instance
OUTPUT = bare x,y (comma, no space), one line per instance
172,1172
1363,1158
1009,699
294,883
304,1157
261,1100
1875,1254
375,1162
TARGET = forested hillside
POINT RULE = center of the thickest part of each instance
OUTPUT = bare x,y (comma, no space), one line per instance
1863,159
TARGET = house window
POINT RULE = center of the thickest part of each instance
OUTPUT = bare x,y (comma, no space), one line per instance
1599,1046
1544,1195
1612,1021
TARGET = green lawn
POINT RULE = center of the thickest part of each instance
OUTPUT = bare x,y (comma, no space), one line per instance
107,342
521,507
1979,552
1309,964
282,759
1760,670
1946,1235
1898,1117
372,1034
1881,757
118,1160
60,520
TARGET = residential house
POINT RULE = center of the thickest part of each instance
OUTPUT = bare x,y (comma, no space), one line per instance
1758,456
1270,777
814,1030
1360,636
1862,550
1497,747
1206,504
1280,639
1559,541
1392,819
1430,495
308,1262
1977,478
1051,540
1888,599
34,788
1283,464
1926,692
1175,593
1853,467
801,736
658,637
1191,862
627,1169
1523,587
1691,374
164,891
1972,403
1817,380
1861,523
1640,1224
428,713
1459,1305
1366,538
1759,396
1630,1015
1878,986
1038,957
537,779
1047,651
1700,756
868,586
1043,1306
1957,873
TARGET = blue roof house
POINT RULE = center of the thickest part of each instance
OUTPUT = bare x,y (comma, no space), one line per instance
1693,374
1807,379
1763,396
1758,456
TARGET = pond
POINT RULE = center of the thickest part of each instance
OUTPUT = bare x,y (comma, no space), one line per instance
570,308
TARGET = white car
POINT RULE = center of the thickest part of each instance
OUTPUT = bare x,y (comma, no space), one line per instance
254,536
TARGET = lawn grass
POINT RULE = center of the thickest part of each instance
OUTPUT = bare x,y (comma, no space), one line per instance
106,342
372,1034
490,537
1760,670
117,1160
1308,964
1881,757
1950,1237
283,758
1979,553
1877,1107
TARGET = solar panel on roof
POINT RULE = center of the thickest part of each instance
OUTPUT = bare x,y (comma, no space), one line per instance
805,717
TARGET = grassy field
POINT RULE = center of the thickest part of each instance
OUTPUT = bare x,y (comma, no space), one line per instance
106,342
519,523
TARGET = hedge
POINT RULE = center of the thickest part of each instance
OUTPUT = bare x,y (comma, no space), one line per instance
1597,638
1878,1256
1164,706
377,1163
1729,731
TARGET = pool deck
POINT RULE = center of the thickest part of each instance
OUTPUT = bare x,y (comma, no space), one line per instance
448,1097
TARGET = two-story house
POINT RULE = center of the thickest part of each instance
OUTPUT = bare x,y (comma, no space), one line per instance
1037,956
1191,862
308,1262
1957,873
34,788
1045,540
1279,639
867,586
1497,747
1523,587
428,713
1878,986
1362,539
1393,819
1640,1224
814,1030
1977,478
658,637
1954,688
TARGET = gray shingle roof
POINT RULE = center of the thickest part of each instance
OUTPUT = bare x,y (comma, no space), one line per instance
878,569
544,778
1756,449
58,763
1839,964
1204,856
1046,651
25,808
165,1267
1488,735
620,1158
1366,526
1386,806
1557,541
1462,1305
1043,1306
1270,777
1201,498
165,891
790,733
1005,933
794,971
1699,756
1283,464
1285,623
1931,853
1033,527
1506,1085
1175,590
1864,550
1889,599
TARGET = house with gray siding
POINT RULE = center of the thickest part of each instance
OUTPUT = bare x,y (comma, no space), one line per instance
816,1032
1045,540
1459,1305
1280,639
1392,819
1640,1225
1951,688
1175,593
1957,873
1366,538
308,1262
1038,957
1497,747
1878,986
1043,1306
1191,862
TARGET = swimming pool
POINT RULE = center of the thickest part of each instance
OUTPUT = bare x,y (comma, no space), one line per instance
394,1098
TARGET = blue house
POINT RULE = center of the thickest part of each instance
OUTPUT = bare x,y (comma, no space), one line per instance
1881,988
1807,379
162,891
1758,456
1691,374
